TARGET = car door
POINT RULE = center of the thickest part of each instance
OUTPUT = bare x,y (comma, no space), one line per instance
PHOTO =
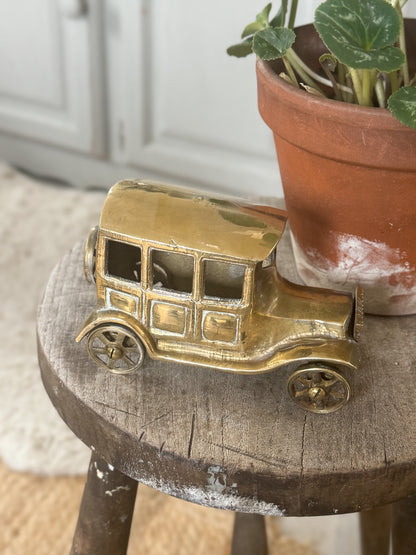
223,302
169,299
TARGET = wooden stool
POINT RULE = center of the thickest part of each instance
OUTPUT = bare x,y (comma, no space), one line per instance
231,441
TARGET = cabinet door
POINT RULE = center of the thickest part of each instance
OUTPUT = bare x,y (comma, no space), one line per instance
48,75
181,105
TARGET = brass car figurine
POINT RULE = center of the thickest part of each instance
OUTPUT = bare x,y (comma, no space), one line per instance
190,278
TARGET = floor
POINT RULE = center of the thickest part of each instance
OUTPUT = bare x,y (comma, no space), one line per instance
39,515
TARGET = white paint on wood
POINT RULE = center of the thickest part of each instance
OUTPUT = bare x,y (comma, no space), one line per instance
217,481
111,492
213,498
387,279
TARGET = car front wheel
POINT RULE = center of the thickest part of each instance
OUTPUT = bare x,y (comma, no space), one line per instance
115,348
319,389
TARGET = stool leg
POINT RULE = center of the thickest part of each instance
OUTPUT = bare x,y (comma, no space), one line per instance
106,511
249,535
404,526
375,531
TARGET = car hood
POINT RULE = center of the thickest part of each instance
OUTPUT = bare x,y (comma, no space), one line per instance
303,312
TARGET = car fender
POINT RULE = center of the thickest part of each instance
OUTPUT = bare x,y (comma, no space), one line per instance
103,316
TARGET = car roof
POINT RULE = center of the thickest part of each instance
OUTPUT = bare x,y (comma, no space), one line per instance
173,215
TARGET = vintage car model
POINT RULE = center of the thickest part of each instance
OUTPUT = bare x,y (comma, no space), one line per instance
191,278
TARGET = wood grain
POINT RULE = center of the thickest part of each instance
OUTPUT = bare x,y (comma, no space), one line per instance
233,441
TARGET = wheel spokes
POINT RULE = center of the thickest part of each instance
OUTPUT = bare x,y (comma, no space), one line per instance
319,390
118,350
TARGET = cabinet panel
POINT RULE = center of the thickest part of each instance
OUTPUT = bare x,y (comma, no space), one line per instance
47,79
181,106
190,110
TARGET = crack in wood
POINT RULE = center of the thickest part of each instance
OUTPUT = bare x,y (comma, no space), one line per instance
250,455
302,454
302,449
156,419
145,425
191,436
118,409
386,460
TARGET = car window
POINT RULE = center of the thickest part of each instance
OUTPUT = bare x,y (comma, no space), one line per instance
123,260
172,271
224,280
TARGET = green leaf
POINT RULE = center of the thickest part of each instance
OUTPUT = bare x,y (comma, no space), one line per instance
241,49
271,43
262,21
361,34
329,61
279,19
263,17
402,105
251,29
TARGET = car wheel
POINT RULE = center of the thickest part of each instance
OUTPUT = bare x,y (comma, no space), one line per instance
319,389
115,348
90,255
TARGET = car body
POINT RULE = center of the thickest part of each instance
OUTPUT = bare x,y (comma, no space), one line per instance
188,277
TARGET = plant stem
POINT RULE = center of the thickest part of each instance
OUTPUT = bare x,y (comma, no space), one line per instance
357,85
402,43
329,74
366,87
290,71
342,80
380,93
302,70
394,81
292,15
349,97
310,77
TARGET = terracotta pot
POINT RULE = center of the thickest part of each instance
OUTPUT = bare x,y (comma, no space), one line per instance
349,179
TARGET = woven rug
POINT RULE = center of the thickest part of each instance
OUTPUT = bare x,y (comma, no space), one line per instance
41,476
38,224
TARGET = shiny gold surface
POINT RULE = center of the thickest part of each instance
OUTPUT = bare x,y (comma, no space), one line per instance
319,389
115,348
176,216
90,254
192,278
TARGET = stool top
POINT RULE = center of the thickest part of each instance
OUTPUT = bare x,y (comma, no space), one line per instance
236,441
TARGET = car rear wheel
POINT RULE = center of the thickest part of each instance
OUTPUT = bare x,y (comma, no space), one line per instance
115,348
319,389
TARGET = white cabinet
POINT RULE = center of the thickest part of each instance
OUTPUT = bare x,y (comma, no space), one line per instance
49,90
188,109
92,91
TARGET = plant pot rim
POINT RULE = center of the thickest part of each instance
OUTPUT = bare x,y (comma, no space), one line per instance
328,108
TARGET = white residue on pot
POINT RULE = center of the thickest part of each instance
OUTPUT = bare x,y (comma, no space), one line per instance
389,281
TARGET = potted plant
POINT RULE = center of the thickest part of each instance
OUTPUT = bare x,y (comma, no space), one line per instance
340,98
